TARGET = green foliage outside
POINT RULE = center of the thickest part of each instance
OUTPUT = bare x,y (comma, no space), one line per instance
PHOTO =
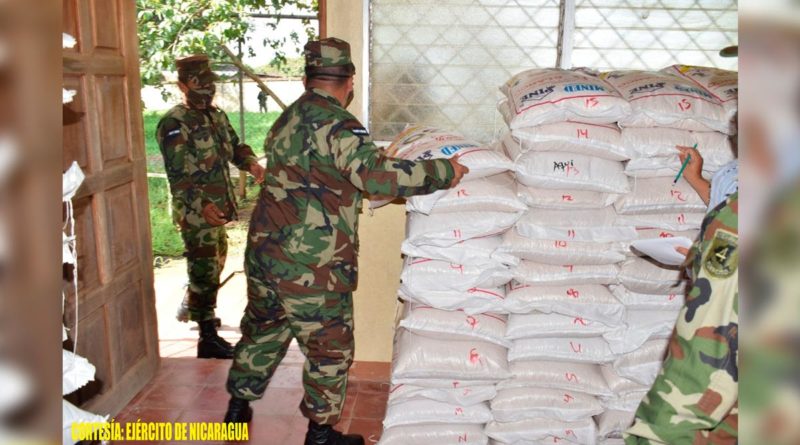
166,239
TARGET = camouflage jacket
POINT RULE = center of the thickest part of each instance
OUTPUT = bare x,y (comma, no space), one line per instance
694,399
197,146
303,234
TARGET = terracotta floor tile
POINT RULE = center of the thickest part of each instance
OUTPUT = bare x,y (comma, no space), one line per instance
371,429
297,435
165,396
370,406
146,414
349,403
280,402
266,429
371,371
211,399
373,387
343,425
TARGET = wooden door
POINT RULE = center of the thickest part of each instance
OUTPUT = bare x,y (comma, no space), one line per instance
117,328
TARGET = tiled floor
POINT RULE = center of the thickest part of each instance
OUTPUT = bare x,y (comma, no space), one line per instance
193,390
189,389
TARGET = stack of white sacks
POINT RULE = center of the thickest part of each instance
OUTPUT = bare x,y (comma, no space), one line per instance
450,349
528,318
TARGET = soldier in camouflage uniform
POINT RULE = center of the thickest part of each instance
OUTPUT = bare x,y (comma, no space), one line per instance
695,397
303,242
197,141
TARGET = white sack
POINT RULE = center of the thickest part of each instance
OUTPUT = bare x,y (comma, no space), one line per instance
626,402
540,431
512,405
660,195
567,171
528,272
643,276
665,166
714,147
423,434
424,274
614,423
425,319
564,200
722,84
468,395
653,302
642,325
643,234
643,364
473,301
490,194
620,385
603,141
663,100
542,325
597,225
678,222
419,356
579,350
72,414
443,383
446,229
590,302
548,95
76,371
475,251
559,252
415,412
570,376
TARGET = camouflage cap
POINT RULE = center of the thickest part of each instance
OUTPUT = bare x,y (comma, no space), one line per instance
196,66
328,57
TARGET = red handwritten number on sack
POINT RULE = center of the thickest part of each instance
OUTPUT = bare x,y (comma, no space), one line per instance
458,267
580,320
672,297
467,391
681,219
560,244
583,133
573,293
457,233
571,377
472,321
462,193
592,102
684,104
474,357
567,198
572,169
568,398
578,349
571,234
570,267
459,411
462,438
570,433
677,194
665,235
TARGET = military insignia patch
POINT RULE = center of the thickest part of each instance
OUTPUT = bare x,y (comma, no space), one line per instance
722,258
360,131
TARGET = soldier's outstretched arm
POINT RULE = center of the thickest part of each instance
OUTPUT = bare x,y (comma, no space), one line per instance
359,160
243,155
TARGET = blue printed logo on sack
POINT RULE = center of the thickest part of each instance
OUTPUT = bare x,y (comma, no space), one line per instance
693,90
648,88
541,93
448,150
583,87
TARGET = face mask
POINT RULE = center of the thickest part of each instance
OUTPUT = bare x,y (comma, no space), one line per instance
349,99
201,97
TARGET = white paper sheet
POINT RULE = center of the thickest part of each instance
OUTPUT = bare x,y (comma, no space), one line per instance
663,249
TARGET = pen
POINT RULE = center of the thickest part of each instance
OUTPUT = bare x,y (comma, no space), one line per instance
683,167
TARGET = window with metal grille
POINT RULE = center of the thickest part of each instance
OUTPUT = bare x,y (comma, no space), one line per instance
441,63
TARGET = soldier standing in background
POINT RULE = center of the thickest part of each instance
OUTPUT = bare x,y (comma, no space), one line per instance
262,101
197,141
694,399
301,257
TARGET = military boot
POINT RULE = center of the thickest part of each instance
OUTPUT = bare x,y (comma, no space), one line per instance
326,435
211,345
239,411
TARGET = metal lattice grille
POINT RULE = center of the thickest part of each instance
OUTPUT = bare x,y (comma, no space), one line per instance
441,63
652,34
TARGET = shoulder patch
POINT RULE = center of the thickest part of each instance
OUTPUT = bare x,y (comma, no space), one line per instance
722,258
361,131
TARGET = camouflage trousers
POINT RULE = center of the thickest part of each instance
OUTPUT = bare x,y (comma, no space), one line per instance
205,254
322,323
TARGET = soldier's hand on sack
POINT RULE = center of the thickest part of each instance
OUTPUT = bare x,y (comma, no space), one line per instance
459,169
257,171
682,250
213,215
694,169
